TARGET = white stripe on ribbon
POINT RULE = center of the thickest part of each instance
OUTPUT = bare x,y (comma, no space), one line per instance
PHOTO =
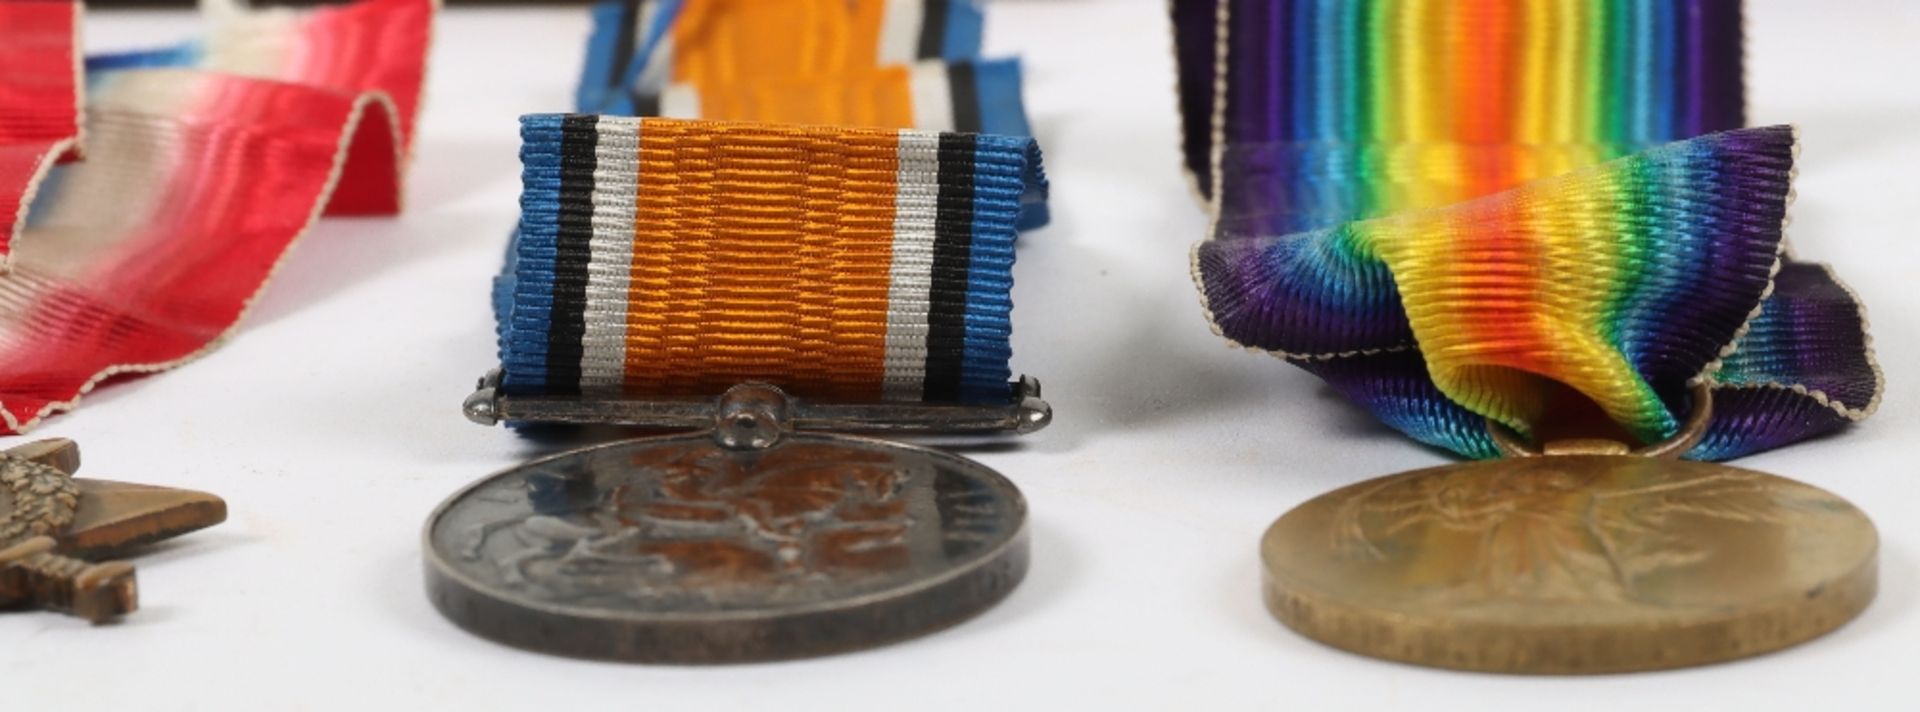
680,101
910,286
658,70
616,175
932,96
900,31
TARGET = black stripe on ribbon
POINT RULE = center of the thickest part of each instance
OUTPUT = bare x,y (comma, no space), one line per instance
624,41
952,254
644,104
567,321
933,30
965,91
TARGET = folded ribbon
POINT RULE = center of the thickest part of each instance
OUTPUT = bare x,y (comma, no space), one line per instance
1458,211
204,163
661,257
879,63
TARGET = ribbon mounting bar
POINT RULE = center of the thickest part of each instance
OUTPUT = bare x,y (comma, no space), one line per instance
1022,412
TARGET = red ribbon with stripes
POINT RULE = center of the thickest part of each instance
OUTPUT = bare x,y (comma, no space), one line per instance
200,168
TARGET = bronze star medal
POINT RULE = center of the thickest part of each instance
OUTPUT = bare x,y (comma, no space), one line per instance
53,524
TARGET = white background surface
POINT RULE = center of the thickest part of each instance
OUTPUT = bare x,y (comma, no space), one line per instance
331,425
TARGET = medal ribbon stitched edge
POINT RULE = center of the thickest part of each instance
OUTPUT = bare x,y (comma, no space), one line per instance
1622,279
203,164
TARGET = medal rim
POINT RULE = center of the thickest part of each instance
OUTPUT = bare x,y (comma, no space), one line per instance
1848,594
1010,556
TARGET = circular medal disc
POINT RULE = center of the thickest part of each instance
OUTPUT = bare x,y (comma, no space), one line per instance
677,550
1570,564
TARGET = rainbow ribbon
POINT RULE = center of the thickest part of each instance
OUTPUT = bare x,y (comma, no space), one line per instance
663,257
1458,211
203,163
879,63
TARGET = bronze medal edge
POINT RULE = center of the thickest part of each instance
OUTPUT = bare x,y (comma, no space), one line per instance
1755,629
1570,649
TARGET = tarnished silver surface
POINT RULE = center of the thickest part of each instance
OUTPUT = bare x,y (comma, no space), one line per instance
724,546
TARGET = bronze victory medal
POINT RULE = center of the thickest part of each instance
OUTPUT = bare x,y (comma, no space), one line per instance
1570,564
677,549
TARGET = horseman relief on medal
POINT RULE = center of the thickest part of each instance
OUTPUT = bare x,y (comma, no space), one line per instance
703,526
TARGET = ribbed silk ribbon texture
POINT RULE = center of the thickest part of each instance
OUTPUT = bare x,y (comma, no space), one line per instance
190,170
873,63
666,257
1457,211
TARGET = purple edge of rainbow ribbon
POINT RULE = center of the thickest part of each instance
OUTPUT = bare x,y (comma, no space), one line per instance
1810,333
